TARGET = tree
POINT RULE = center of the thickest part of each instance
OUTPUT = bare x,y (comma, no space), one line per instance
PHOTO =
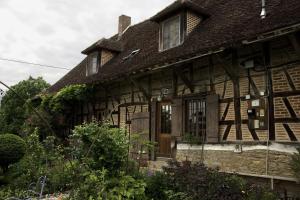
13,109
12,149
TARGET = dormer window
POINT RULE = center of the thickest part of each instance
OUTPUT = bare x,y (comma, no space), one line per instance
171,35
177,22
92,64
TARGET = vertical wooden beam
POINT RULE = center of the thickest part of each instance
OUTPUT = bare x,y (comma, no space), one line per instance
211,75
132,92
295,43
236,95
267,62
224,87
175,84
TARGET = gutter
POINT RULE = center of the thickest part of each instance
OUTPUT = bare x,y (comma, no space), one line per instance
273,34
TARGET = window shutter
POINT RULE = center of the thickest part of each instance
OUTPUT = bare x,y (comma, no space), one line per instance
212,118
177,117
153,125
140,124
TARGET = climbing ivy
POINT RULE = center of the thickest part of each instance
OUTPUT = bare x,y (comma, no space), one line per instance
66,97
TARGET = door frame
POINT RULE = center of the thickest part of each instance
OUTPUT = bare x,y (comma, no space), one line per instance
158,127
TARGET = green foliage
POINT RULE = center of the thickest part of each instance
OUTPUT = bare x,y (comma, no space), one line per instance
172,195
7,192
13,109
101,146
12,149
191,139
32,166
126,188
67,96
200,182
157,185
295,163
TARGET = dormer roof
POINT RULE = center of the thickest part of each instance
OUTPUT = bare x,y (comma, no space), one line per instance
106,44
178,6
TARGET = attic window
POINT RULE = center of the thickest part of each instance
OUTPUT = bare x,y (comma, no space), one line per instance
92,64
132,54
171,33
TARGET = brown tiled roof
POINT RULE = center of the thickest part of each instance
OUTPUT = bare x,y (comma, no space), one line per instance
108,44
230,22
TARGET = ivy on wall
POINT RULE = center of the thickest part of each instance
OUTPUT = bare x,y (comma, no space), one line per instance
67,97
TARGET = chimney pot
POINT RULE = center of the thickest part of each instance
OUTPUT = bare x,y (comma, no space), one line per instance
124,23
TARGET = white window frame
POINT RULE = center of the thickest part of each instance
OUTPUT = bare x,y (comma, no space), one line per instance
161,46
89,66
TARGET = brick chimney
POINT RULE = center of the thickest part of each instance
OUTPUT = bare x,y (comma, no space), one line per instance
124,23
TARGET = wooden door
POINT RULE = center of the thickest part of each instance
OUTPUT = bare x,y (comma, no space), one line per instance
164,128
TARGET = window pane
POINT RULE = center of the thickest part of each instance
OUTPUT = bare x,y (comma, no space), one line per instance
196,118
171,33
92,65
166,113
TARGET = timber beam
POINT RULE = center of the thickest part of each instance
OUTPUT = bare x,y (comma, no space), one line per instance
138,85
233,71
187,82
295,41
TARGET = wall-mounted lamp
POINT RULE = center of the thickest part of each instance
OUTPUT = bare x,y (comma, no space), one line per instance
163,93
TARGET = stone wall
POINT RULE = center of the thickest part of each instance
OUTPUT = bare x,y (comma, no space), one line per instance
249,161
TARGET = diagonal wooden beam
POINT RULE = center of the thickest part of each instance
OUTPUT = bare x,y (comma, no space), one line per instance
290,132
289,79
253,134
289,107
140,87
253,86
227,131
225,112
185,80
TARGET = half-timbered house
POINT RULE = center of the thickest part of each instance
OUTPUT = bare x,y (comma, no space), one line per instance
224,71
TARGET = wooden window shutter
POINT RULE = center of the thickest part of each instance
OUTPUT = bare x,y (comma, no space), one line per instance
177,117
153,125
140,123
212,118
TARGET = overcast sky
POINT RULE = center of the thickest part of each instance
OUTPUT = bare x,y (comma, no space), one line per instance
54,32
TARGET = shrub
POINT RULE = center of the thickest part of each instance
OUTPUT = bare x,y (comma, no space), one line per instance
195,181
126,188
12,149
295,163
157,185
100,146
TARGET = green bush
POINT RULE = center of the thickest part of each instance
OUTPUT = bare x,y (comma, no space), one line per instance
295,164
100,146
12,149
126,188
195,181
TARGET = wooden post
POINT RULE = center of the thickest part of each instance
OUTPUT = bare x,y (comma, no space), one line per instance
267,62
211,75
175,84
233,72
236,95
